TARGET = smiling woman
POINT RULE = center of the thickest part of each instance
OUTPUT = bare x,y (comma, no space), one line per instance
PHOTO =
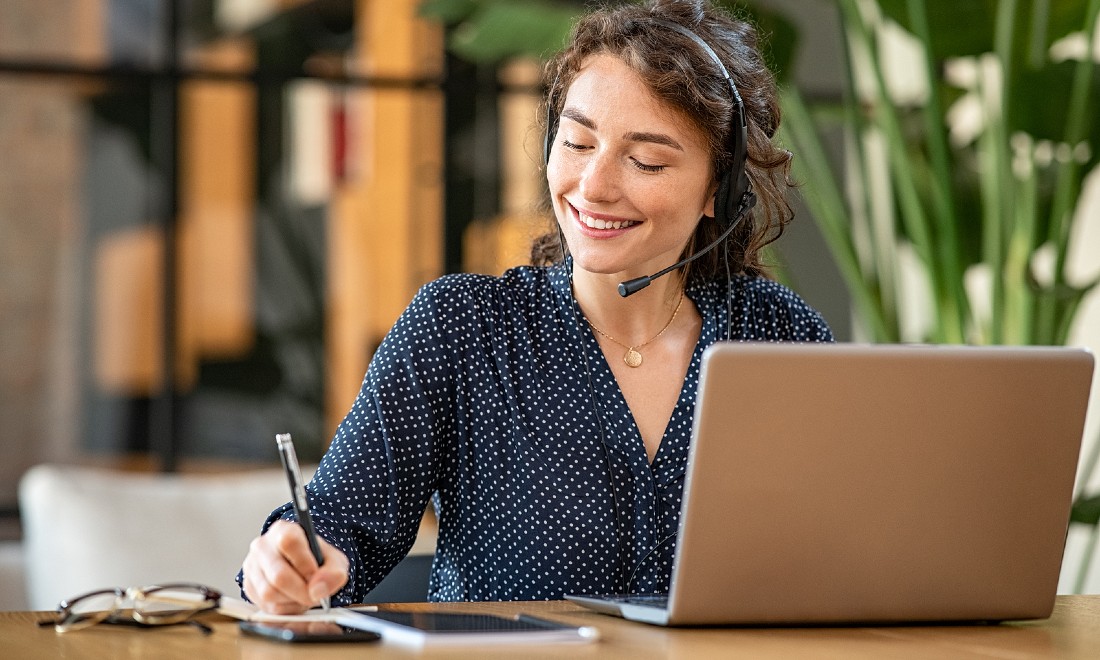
554,458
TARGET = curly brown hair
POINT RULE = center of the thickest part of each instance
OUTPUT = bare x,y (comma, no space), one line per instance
683,75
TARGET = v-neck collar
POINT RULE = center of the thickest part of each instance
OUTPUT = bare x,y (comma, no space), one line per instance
619,427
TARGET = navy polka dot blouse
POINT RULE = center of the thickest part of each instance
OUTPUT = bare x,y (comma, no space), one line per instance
490,398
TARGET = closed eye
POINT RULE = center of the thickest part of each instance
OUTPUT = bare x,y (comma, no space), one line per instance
647,168
644,167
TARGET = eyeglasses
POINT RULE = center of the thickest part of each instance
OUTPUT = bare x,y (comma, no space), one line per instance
157,605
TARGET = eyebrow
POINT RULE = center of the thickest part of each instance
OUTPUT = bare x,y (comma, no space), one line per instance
634,136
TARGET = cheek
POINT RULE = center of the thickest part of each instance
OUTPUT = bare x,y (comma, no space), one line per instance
692,201
557,184
679,212
559,176
553,175
662,201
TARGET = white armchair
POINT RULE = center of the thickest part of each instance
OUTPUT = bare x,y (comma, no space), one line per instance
87,528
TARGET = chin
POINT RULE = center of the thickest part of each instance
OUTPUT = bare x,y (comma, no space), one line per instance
598,264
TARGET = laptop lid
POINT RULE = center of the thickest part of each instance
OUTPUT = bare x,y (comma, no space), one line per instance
859,483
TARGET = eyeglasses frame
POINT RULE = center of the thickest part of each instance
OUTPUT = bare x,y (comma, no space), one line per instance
67,620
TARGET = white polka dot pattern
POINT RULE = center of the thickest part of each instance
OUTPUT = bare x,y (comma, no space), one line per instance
483,399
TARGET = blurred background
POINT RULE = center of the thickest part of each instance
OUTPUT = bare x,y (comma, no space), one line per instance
211,211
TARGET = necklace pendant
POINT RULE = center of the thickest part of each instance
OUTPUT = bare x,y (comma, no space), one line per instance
632,358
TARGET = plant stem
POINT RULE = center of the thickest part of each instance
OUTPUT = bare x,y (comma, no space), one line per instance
827,203
947,225
870,195
949,325
1019,297
1068,183
999,178
887,121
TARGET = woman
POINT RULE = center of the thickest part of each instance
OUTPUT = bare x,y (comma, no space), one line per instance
546,416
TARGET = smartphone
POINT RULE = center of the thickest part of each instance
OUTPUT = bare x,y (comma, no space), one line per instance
307,631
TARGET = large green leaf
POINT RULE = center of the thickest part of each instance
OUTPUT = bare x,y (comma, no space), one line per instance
1086,510
961,28
778,36
496,30
958,27
1040,98
449,12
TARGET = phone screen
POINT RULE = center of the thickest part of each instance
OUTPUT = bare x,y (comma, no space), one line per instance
308,631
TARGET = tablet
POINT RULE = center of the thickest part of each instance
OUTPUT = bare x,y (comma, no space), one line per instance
450,628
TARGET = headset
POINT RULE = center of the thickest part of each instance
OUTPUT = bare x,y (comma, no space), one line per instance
734,197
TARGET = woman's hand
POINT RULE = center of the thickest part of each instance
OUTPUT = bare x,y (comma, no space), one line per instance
281,576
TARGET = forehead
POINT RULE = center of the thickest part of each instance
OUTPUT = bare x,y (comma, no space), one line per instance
607,87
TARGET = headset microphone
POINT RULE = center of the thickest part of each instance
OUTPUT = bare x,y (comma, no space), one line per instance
630,287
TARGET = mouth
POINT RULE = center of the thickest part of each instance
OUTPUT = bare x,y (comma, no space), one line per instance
602,223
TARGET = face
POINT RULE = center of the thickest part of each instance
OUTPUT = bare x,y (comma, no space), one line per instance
630,177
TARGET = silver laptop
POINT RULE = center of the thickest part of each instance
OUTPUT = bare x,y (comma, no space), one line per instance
850,483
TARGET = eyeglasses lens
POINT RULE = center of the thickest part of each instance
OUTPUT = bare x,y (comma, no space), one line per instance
88,610
172,603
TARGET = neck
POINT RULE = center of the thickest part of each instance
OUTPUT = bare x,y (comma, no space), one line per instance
634,319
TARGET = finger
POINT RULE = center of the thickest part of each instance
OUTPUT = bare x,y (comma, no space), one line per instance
262,592
278,581
259,584
290,541
332,575
321,581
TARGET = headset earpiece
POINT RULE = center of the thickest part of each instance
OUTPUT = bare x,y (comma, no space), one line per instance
734,195
551,128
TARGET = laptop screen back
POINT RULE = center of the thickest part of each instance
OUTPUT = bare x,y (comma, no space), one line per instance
848,483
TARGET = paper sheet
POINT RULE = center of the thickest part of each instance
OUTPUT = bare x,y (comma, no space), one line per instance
245,611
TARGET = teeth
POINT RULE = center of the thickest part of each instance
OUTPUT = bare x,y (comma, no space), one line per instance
596,223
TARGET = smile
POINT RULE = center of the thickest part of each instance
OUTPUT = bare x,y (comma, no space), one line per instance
599,223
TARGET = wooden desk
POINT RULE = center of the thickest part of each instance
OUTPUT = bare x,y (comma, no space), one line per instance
1072,632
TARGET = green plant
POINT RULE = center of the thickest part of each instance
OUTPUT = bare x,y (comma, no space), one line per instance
989,202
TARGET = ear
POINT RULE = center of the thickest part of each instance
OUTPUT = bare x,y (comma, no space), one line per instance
712,194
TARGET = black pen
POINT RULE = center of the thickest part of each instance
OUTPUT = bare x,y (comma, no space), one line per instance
300,499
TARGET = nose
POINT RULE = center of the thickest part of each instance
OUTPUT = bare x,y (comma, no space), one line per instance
600,178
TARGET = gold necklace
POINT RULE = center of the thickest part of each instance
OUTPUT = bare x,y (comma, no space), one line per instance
633,358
